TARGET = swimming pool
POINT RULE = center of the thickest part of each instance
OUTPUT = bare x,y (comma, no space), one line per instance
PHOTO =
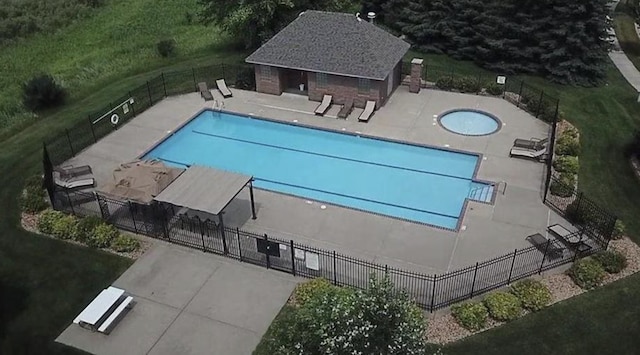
411,182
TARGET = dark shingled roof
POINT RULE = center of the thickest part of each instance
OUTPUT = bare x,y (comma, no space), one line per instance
334,43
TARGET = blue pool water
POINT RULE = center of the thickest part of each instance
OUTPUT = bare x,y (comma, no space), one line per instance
400,180
469,122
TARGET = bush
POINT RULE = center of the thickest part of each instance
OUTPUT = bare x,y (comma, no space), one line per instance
86,228
467,84
47,219
570,132
103,235
470,315
494,89
567,145
566,164
564,186
125,244
306,290
42,92
166,47
612,261
188,17
503,306
619,230
65,227
445,83
533,295
34,197
587,273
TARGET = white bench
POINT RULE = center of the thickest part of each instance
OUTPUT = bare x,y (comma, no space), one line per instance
104,310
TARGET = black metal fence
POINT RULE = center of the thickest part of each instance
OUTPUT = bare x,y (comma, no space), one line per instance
98,124
431,292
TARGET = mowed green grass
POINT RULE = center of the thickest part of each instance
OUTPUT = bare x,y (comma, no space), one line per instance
118,38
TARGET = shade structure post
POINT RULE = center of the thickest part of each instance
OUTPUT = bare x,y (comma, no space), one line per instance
253,203
224,238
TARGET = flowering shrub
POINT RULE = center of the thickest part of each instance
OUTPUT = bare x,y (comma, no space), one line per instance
471,315
86,228
503,306
587,273
337,320
619,229
533,295
566,164
47,219
103,235
65,227
612,261
125,243
306,290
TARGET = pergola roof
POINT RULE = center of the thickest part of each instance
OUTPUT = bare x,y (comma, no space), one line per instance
332,43
204,189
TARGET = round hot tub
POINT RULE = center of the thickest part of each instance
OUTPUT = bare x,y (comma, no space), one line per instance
469,122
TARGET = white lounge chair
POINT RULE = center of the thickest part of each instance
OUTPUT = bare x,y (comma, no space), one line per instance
222,87
368,111
76,184
324,105
527,153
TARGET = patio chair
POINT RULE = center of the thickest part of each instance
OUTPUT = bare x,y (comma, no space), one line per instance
532,144
76,184
204,91
324,105
222,87
550,247
70,172
528,154
346,109
368,111
565,234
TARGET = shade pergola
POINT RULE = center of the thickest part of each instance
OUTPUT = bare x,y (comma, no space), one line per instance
207,190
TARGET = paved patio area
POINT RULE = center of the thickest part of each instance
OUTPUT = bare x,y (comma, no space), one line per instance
487,230
188,302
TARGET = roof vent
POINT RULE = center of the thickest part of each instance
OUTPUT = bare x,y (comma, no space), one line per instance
358,16
371,15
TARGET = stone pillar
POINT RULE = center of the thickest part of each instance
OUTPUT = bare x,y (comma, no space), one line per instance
416,75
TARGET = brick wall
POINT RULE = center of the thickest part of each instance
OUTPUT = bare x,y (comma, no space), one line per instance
269,83
343,87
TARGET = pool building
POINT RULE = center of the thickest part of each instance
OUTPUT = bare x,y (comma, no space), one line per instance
327,53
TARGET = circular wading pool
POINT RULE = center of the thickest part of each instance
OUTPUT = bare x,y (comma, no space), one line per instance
469,122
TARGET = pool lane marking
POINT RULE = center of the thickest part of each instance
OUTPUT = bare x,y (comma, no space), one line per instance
332,156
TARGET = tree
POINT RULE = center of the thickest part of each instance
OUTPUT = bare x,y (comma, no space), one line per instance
256,21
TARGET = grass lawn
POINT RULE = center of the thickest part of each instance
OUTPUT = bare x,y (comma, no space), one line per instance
120,37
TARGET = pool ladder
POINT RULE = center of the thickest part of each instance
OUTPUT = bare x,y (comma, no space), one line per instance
217,105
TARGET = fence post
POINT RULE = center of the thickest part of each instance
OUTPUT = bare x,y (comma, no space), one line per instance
204,248
433,293
539,103
335,276
69,140
225,248
293,260
266,239
544,257
133,109
133,218
239,245
93,133
520,94
149,92
473,284
225,78
164,86
512,263
193,73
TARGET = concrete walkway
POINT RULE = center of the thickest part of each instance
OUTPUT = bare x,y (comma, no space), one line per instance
622,62
188,302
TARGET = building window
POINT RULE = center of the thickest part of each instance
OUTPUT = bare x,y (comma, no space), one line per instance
363,86
321,80
265,72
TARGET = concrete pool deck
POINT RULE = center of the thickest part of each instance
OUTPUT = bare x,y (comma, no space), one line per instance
487,230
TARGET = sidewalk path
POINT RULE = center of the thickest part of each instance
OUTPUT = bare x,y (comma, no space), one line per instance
622,62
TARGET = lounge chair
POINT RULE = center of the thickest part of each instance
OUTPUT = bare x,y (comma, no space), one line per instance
368,111
76,184
346,109
550,247
70,172
532,144
527,153
204,91
324,105
222,87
